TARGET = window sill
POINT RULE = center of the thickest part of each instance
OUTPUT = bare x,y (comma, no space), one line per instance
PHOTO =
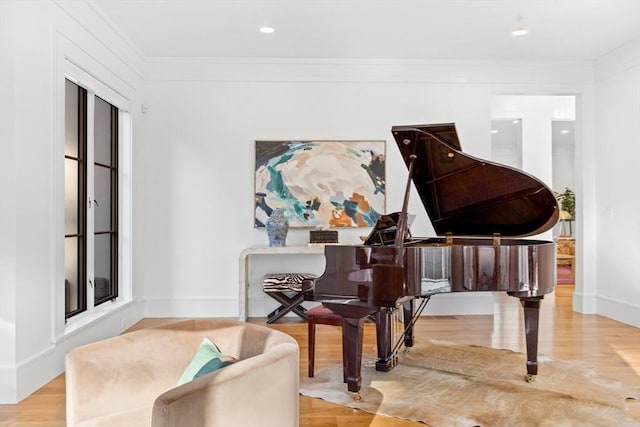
82,321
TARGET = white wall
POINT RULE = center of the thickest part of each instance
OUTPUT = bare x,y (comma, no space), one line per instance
199,165
618,235
7,205
37,38
536,113
563,167
196,152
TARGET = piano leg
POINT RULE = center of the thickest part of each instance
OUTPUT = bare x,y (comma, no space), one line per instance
384,340
531,307
407,315
352,331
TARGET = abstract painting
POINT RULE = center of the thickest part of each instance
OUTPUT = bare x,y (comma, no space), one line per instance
320,184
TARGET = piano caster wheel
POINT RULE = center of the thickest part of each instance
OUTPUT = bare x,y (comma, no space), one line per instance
356,396
529,378
406,349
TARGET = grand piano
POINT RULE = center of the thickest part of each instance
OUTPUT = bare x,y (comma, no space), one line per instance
479,210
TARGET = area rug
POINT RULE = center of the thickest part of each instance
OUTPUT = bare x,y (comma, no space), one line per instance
444,385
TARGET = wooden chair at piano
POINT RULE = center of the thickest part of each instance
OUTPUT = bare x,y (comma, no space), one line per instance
321,315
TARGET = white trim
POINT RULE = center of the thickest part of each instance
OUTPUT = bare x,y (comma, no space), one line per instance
619,310
89,237
8,381
248,70
620,60
92,29
94,86
82,320
74,64
118,31
125,206
583,303
48,363
190,307
94,73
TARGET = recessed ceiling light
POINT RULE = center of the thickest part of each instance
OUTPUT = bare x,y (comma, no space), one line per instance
494,130
516,121
564,131
267,30
519,32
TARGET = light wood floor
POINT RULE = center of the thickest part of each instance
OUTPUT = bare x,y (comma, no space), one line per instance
610,347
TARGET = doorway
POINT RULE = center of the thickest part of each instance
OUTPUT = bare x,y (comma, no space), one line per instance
537,134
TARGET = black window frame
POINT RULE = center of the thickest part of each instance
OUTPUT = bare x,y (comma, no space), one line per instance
81,232
112,293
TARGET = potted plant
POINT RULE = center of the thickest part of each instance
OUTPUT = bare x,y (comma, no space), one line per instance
567,202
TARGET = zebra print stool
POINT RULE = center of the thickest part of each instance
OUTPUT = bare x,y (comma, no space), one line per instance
286,288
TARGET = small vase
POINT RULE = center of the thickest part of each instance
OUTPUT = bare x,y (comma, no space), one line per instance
277,228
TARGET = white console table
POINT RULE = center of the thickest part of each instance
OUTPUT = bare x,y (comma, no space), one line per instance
246,254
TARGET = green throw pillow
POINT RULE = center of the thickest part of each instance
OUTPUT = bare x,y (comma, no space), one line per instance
207,359
212,365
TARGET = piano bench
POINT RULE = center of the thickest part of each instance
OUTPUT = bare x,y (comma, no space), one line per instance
286,289
321,315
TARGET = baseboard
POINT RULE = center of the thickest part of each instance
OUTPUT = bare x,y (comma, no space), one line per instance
31,373
584,304
8,376
191,307
619,310
39,370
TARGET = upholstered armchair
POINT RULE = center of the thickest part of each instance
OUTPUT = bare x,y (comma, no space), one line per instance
131,380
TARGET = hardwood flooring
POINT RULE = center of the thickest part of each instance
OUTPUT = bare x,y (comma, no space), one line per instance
610,347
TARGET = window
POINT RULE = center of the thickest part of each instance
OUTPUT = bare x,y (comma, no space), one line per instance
105,202
75,181
91,200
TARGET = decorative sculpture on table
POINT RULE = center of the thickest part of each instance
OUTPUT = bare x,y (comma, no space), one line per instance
277,228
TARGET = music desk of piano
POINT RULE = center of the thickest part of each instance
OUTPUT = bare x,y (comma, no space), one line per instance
477,208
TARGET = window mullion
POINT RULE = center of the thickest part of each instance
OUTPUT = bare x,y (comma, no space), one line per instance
90,285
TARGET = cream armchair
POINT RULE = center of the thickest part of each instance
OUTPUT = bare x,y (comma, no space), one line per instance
130,380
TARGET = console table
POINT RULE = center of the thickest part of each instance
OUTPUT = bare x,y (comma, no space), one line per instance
246,254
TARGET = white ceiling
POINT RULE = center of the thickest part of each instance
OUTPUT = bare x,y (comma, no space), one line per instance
375,29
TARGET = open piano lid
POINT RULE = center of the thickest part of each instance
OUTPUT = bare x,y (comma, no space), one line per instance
467,196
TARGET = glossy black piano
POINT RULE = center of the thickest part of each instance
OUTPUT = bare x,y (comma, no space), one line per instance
479,211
